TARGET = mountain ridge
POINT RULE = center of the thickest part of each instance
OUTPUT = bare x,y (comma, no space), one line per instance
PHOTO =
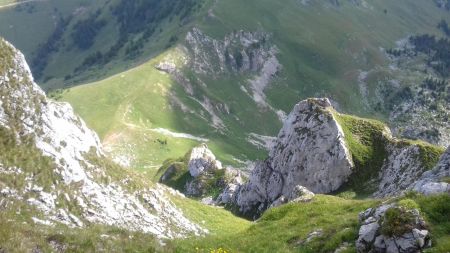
359,164
80,179
60,194
220,84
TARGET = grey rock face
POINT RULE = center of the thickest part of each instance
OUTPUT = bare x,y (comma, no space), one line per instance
310,151
61,136
195,188
168,174
239,52
401,168
431,182
310,154
371,239
368,232
202,160
234,182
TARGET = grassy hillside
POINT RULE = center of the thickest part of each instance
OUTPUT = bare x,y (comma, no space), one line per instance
282,229
323,50
368,141
323,46
127,110
69,42
286,229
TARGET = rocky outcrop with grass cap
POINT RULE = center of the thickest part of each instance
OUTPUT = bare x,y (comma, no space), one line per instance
309,154
406,162
200,174
319,150
393,228
202,160
437,180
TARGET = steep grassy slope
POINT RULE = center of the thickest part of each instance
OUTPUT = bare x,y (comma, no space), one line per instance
70,42
130,109
368,141
322,49
286,229
283,229
21,233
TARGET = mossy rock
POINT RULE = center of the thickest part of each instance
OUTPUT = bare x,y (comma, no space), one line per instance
397,221
175,174
366,140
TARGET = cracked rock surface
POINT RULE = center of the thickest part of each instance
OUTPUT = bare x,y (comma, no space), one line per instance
375,236
309,153
432,182
77,176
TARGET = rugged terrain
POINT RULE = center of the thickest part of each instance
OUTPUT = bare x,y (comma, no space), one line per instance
59,192
218,84
317,150
215,72
54,170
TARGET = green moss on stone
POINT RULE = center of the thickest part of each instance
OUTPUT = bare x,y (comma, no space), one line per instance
366,141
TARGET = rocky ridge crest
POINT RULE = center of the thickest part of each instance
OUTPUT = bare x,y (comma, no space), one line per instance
310,151
314,153
81,189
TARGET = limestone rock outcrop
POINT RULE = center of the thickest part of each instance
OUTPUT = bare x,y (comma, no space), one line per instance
311,149
202,160
311,155
76,171
200,174
437,180
309,152
402,167
392,229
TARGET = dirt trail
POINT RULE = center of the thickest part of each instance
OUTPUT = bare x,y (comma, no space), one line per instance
162,131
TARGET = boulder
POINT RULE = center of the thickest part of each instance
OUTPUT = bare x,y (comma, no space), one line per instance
367,233
376,234
309,153
301,194
202,160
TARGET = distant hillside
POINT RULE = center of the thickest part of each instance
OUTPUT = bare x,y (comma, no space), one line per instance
229,71
67,42
232,77
59,192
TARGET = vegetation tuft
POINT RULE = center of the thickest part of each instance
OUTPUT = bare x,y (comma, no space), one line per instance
397,222
366,141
